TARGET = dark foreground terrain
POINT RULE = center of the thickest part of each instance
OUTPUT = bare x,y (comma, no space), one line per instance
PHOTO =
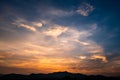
55,76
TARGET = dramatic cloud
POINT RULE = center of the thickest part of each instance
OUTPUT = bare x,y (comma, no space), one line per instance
53,47
48,36
84,9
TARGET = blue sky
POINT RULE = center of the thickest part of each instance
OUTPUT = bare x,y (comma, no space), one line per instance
60,35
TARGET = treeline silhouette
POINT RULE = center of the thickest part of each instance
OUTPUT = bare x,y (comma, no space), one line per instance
55,76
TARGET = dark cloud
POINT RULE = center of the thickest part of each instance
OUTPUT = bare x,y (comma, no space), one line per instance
8,70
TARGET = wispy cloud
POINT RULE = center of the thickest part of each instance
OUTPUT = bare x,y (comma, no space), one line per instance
84,9
52,11
59,12
28,25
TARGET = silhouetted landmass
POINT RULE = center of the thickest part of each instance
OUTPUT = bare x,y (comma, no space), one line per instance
55,76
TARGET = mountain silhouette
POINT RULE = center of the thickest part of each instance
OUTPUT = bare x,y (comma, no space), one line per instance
55,76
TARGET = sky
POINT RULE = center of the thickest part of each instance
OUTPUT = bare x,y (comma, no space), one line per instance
44,36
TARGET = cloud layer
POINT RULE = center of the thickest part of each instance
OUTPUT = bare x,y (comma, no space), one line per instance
52,46
48,36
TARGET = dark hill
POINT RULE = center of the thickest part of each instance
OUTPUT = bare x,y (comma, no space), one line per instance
55,76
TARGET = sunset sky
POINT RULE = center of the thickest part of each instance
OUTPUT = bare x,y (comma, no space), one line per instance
44,36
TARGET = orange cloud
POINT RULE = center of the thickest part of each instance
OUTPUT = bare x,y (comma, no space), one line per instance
103,58
82,57
54,48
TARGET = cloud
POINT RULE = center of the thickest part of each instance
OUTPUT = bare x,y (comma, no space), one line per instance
38,24
8,70
59,12
55,31
57,39
52,46
84,9
103,58
28,25
55,12
82,57
4,54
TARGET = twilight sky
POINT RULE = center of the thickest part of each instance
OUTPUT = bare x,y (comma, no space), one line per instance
43,36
